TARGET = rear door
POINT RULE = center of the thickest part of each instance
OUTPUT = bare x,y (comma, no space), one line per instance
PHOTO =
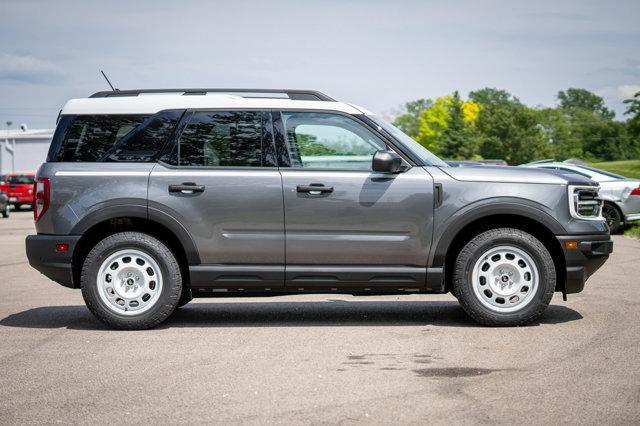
220,180
347,226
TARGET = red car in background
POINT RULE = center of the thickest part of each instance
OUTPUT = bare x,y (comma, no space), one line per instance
19,188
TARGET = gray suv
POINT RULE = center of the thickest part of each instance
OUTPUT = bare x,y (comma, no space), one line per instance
149,198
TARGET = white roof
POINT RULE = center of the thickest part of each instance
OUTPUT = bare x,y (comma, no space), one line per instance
150,104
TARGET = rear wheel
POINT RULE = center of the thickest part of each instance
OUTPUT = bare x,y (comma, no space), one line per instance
131,280
504,277
613,217
7,211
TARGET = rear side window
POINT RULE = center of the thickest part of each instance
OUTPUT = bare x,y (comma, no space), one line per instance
144,143
224,139
89,137
112,138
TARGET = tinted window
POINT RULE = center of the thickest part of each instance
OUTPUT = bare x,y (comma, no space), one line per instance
144,143
325,140
219,139
90,137
21,180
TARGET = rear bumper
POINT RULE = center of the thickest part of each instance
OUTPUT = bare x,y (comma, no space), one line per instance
583,261
42,255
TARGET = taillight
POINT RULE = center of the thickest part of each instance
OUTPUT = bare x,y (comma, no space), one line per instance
41,192
635,191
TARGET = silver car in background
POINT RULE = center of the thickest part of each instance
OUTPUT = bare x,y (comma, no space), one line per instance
621,195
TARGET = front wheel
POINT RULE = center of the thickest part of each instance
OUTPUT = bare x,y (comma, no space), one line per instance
613,217
504,277
131,280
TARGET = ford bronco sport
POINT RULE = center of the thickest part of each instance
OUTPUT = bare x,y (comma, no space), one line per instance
149,198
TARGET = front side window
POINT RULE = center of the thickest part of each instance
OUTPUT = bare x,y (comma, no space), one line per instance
222,139
327,140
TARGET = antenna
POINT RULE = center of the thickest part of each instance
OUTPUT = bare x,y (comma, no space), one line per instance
110,85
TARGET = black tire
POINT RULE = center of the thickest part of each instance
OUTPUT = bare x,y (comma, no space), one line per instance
167,299
17,207
7,211
613,217
185,298
478,246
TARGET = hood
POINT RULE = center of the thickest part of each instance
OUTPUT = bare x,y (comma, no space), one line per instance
511,174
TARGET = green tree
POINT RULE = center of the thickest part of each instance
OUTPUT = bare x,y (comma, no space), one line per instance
633,109
557,131
410,121
511,131
573,100
458,140
592,129
492,96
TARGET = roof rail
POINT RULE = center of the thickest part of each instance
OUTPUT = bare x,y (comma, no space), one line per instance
296,95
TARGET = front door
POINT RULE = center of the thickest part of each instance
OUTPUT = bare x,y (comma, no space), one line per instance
221,183
346,226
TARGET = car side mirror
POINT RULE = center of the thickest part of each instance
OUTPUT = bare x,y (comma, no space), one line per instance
386,162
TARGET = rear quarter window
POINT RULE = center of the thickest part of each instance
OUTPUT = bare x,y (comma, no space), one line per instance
112,138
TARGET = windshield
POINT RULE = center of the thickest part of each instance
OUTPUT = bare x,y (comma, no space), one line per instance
425,155
21,180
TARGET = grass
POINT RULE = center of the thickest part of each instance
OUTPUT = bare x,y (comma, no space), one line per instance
633,231
629,168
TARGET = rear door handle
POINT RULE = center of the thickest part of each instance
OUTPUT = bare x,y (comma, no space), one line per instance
315,189
187,188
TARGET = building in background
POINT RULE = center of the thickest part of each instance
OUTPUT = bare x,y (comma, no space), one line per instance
23,150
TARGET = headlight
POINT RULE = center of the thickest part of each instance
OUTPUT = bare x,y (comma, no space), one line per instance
585,203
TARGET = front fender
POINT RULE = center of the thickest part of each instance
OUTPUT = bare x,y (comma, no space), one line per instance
448,229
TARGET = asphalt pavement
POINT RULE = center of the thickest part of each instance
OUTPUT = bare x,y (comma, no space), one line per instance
318,359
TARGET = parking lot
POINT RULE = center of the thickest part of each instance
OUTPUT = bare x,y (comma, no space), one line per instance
318,359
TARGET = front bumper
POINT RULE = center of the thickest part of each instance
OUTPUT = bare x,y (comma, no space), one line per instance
581,262
20,199
42,255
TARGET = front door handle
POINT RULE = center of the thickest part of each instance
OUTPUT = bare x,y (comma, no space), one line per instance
315,189
187,188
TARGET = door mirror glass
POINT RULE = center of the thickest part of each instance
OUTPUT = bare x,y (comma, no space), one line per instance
386,162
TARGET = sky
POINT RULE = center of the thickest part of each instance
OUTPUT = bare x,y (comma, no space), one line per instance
374,54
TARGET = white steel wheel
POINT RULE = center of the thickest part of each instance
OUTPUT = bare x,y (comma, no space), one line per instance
129,282
505,279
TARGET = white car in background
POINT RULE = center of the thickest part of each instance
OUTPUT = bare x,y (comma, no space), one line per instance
621,195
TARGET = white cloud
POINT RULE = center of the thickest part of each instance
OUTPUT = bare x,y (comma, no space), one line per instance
627,91
27,68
